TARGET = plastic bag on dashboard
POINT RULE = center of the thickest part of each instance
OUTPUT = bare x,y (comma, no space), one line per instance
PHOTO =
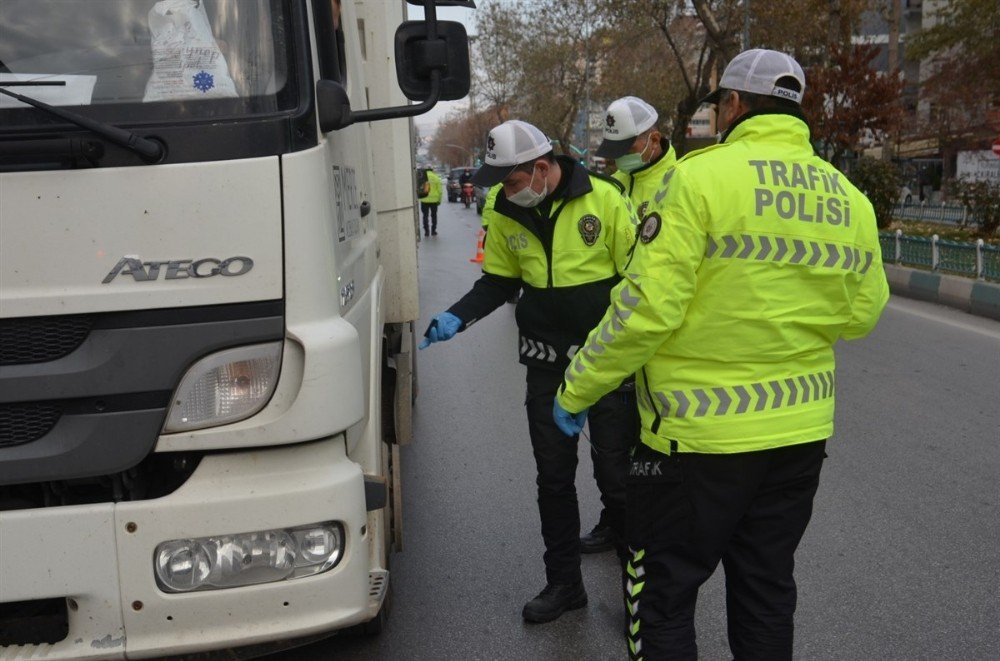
187,61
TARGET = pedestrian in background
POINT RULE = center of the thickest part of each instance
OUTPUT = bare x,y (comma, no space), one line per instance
561,235
430,200
642,154
759,258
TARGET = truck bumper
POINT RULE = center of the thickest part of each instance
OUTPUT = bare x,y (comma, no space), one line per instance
101,557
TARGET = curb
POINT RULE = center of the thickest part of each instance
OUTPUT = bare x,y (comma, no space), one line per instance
973,296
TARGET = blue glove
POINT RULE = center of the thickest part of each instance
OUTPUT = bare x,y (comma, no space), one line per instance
443,327
570,424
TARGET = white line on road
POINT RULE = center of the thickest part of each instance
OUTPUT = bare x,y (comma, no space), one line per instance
911,307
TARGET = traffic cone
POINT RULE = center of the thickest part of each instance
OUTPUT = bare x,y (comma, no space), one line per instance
478,259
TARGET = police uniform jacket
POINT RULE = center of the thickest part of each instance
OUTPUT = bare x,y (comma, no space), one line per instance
759,258
566,255
434,191
642,184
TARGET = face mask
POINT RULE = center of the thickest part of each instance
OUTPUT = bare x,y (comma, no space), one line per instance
527,197
632,162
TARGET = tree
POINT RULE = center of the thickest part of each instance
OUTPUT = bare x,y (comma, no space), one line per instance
459,138
557,66
848,103
692,49
497,51
879,181
805,28
983,200
961,95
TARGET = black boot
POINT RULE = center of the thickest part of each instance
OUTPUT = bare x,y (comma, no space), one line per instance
601,538
553,601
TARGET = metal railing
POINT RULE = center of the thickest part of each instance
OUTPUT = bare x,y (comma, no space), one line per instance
948,214
975,260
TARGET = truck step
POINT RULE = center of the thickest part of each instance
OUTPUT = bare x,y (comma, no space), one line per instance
378,583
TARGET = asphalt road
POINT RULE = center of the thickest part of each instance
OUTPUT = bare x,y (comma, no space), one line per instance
901,560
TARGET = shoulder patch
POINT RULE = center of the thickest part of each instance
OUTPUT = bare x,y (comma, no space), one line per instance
650,227
608,178
590,228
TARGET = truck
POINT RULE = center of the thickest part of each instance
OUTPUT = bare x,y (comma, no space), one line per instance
208,291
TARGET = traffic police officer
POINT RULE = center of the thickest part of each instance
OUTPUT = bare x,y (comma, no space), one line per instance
759,258
643,156
430,200
563,236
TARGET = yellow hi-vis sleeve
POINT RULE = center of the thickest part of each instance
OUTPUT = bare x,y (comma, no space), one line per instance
647,305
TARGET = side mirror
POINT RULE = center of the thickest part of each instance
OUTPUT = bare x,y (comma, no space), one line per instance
417,56
432,64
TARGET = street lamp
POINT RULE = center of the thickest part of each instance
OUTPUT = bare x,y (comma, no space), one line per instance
463,149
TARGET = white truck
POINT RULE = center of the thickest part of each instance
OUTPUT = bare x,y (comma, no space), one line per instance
207,302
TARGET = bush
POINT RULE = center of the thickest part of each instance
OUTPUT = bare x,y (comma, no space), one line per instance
879,181
983,200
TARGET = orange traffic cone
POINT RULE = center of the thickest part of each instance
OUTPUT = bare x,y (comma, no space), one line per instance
478,259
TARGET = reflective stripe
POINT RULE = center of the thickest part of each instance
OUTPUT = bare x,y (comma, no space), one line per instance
633,591
763,248
538,350
664,404
627,298
738,399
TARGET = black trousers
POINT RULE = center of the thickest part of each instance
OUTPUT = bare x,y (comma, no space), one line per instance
614,427
432,209
686,512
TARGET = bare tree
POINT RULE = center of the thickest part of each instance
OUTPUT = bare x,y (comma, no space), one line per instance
496,54
692,48
560,45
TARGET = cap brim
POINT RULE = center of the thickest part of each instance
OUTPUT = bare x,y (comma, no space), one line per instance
713,97
614,148
490,175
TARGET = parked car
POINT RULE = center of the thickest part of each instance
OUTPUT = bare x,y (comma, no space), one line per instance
454,184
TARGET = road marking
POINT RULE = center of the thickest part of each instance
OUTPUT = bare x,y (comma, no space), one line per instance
908,308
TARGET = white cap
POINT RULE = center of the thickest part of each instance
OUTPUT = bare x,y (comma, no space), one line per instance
512,143
626,118
756,71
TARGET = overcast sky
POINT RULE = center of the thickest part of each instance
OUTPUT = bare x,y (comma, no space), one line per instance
427,122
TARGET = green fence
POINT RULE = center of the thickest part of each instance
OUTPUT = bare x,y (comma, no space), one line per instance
974,260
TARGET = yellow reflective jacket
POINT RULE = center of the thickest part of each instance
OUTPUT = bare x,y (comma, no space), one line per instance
565,255
434,193
491,199
642,184
759,258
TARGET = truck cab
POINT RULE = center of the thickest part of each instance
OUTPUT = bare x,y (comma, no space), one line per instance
207,297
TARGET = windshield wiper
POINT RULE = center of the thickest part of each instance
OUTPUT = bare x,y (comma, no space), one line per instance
150,150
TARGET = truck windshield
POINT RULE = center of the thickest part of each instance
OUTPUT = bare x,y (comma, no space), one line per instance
143,61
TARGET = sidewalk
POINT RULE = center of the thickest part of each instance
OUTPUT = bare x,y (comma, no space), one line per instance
973,296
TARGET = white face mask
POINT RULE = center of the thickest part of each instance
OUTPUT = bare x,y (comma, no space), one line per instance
527,197
632,162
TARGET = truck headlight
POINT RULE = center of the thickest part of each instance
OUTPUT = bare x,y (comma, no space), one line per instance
264,556
225,387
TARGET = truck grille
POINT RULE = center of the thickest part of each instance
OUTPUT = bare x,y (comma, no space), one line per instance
24,423
41,339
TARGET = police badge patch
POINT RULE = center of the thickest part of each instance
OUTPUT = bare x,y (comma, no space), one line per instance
650,228
590,229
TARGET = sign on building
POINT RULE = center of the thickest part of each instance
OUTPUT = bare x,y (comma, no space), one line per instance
981,165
